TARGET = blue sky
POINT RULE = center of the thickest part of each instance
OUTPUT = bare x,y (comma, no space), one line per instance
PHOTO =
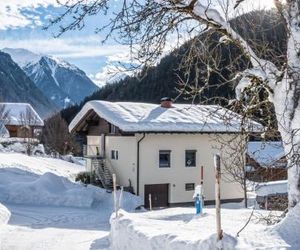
21,23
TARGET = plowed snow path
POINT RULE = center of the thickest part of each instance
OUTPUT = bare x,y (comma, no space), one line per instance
55,228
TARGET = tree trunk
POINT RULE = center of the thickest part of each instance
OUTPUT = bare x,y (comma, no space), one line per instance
245,193
286,102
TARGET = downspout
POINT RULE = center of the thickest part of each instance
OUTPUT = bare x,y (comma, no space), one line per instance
138,165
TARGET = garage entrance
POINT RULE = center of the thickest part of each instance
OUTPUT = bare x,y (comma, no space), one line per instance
159,194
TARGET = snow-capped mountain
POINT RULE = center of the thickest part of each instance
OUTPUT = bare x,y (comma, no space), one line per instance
16,86
62,82
22,56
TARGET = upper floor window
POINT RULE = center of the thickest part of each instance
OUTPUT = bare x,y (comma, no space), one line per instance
190,158
112,129
164,158
114,154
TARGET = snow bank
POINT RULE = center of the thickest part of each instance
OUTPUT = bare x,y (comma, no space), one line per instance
289,228
4,215
40,165
272,187
180,228
21,187
125,235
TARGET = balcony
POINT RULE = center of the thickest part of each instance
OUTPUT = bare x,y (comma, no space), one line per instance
92,151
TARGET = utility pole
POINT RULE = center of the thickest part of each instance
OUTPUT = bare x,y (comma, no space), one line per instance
217,164
115,195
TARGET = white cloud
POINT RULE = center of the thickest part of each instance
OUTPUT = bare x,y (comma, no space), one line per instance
11,15
69,47
110,74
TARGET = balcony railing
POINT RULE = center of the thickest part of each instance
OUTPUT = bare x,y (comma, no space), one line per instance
92,151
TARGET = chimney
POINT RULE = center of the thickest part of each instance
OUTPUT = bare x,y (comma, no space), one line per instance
166,102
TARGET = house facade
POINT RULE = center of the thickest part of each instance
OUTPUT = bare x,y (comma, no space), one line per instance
21,120
159,149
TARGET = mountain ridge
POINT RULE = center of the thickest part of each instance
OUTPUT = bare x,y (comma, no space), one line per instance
63,83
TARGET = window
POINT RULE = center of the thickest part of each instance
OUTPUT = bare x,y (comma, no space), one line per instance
112,129
114,154
164,158
189,186
190,158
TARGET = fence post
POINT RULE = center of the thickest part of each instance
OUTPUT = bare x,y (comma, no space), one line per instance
115,195
217,164
150,202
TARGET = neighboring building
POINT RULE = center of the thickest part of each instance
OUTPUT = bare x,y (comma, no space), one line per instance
22,120
266,161
158,149
272,195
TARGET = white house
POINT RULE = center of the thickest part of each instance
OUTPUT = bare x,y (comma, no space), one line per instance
21,120
159,149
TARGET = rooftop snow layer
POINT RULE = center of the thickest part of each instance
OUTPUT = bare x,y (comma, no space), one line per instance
265,153
22,114
272,187
146,117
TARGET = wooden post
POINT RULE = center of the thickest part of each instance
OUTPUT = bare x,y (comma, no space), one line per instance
202,176
120,198
150,202
217,164
115,195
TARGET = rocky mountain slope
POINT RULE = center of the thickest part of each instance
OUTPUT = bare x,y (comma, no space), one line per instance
16,86
63,83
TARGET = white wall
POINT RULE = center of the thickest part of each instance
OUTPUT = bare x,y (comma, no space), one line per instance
125,165
178,175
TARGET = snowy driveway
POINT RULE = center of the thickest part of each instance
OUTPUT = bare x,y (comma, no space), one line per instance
55,228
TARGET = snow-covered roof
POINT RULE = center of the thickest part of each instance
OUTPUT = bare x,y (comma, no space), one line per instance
3,131
272,187
266,153
18,112
146,117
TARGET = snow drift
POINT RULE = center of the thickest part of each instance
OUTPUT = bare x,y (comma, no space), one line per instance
126,235
288,229
21,187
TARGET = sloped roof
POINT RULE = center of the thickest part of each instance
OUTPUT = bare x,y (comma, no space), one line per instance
266,153
17,112
145,117
3,131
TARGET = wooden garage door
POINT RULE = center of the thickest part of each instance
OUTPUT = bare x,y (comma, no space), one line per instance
159,194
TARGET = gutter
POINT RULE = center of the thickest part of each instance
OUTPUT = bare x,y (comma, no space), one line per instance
138,165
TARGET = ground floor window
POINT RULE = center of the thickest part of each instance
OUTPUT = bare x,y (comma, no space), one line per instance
190,158
189,186
164,158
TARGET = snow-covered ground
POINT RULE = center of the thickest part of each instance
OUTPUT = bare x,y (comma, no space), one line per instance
39,165
55,228
42,208
180,228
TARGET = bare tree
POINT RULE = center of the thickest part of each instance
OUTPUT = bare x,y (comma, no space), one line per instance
4,117
149,26
233,156
29,122
56,136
